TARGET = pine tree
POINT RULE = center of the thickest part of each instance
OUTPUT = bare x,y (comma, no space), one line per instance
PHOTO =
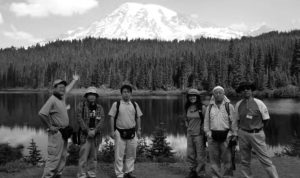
160,148
34,153
295,66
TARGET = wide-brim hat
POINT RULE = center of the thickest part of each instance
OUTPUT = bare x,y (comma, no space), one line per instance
92,91
193,92
244,85
59,81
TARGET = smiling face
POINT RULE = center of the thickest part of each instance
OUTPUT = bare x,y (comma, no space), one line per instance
247,92
60,89
219,95
192,98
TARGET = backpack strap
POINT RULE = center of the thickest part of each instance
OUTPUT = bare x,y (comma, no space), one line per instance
117,114
209,109
227,104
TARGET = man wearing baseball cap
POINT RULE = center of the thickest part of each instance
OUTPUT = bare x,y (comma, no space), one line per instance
54,115
90,116
252,115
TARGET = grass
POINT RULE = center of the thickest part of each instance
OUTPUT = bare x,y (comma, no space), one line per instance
288,167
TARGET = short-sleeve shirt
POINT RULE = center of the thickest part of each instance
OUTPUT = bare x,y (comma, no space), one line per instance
126,116
251,114
57,111
193,120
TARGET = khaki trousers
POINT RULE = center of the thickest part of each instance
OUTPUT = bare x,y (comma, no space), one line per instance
219,153
87,159
257,142
196,153
125,152
57,155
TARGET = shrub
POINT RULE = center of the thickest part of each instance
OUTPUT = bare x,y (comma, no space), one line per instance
143,151
161,150
14,166
8,153
106,154
73,157
34,154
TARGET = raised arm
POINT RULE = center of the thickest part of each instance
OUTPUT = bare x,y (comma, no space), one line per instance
73,82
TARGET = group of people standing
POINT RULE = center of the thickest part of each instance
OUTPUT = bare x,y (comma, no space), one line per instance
209,119
125,124
212,119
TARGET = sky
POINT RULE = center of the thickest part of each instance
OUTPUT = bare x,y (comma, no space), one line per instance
25,22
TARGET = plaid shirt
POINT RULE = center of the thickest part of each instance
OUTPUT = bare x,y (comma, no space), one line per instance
84,121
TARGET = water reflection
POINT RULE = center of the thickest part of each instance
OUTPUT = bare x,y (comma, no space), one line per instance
19,121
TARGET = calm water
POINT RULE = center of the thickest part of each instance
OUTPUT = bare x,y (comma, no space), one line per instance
19,121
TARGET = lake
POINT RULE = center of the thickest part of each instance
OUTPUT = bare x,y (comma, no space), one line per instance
19,122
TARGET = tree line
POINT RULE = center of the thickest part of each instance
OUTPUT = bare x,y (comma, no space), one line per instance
271,61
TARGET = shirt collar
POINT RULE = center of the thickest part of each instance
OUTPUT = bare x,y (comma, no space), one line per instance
124,102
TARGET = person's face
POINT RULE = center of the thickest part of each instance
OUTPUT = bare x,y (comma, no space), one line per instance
60,89
247,92
219,95
126,94
91,98
192,98
206,100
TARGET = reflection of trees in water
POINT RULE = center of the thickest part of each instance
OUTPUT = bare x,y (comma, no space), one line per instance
293,148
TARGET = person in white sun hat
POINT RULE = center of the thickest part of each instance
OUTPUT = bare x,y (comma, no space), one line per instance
90,116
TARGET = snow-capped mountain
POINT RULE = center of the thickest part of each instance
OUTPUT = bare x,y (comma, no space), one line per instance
149,21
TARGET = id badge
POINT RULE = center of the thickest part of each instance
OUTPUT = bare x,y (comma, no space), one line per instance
249,116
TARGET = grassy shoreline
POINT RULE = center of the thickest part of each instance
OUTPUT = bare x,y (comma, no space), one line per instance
287,167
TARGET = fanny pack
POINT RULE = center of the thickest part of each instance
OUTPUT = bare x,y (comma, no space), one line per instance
127,134
66,132
219,135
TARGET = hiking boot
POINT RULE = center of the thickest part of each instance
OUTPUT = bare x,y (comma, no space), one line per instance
192,174
129,175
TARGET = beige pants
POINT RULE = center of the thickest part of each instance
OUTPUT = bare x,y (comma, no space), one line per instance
219,153
196,154
87,159
57,155
125,152
255,141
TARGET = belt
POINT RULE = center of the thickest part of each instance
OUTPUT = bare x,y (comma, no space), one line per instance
252,131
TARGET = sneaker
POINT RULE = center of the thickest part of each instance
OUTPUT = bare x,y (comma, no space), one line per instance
129,175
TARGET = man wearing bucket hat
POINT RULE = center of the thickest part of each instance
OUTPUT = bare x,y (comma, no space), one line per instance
195,135
90,116
252,115
54,115
220,128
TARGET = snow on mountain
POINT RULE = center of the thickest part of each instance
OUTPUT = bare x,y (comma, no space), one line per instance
149,21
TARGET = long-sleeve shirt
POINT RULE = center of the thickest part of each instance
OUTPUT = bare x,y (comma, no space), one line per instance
83,117
217,118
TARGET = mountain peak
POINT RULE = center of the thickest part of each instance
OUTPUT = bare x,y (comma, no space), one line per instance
150,21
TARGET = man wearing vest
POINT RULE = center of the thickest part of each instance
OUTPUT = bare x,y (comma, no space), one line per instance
220,128
90,116
252,115
54,115
125,128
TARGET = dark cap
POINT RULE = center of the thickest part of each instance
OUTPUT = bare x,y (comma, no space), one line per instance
244,85
59,81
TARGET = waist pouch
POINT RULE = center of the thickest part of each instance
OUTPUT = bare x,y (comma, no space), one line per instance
127,134
66,132
219,135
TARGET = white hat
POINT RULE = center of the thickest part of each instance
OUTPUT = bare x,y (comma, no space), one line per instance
91,90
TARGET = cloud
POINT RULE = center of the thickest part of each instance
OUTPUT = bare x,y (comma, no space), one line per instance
44,8
1,19
195,16
20,35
